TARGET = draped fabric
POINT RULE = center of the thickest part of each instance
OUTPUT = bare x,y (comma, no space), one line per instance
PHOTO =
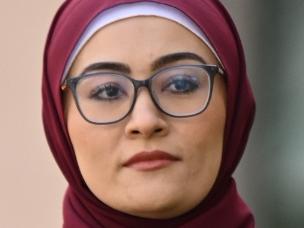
223,207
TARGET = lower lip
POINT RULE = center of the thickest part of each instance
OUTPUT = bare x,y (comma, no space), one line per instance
151,165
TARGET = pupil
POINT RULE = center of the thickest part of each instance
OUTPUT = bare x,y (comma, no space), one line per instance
111,91
181,84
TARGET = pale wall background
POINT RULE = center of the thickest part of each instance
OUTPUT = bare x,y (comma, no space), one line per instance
31,186
270,176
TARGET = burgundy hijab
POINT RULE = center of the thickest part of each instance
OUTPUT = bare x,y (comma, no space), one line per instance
223,207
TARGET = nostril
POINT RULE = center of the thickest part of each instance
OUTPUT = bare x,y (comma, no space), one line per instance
158,130
135,132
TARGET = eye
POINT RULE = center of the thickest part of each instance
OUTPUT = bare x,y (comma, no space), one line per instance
107,92
181,84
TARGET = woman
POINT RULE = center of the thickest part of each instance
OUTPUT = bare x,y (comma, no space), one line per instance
147,110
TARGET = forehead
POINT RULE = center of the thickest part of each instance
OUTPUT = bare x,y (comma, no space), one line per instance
140,40
143,30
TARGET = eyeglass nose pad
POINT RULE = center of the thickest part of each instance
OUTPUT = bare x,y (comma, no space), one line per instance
144,83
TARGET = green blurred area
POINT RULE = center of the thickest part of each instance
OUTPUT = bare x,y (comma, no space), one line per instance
271,174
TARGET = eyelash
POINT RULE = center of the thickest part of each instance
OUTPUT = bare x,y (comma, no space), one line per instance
94,94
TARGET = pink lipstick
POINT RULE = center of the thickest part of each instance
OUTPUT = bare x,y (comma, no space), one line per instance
148,161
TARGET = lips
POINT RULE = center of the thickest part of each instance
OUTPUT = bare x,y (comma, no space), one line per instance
148,161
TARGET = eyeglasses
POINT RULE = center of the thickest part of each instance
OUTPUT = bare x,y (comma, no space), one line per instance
178,91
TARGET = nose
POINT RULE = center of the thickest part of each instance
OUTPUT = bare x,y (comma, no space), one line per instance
145,120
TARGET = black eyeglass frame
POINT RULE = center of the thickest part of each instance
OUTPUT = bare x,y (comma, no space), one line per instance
72,82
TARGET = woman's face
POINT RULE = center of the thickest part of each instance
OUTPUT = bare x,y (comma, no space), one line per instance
161,188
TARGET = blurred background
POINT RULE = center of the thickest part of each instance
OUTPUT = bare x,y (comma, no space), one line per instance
271,174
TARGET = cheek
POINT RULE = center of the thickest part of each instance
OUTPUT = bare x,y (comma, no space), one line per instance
204,151
93,146
204,143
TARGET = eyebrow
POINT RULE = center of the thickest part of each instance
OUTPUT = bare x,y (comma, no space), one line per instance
157,64
114,66
171,58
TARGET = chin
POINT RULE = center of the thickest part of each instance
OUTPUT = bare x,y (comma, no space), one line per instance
162,210
161,204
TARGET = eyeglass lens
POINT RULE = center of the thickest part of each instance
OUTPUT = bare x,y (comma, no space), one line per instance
107,97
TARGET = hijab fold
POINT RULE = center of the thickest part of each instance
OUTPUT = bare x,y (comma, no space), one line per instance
223,206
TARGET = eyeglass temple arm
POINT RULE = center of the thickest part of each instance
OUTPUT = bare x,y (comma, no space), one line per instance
64,85
220,71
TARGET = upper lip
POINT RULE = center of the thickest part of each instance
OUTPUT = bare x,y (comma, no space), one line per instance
146,156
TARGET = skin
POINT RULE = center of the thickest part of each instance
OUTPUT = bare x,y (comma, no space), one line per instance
102,149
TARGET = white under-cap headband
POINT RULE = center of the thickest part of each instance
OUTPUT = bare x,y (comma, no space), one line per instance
132,10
